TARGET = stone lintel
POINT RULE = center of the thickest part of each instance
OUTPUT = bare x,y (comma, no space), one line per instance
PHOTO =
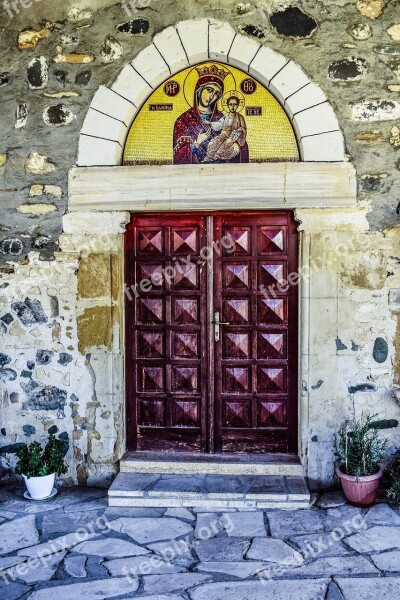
202,187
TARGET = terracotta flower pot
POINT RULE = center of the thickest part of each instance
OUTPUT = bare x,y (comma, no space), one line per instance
360,491
39,487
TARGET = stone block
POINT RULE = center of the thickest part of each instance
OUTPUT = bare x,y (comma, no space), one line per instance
140,565
366,588
324,147
18,534
376,539
266,64
147,530
288,81
273,551
151,66
382,514
132,86
375,110
99,125
278,590
334,566
194,38
318,119
242,569
389,562
169,46
110,548
91,590
317,545
220,40
221,549
291,21
288,523
246,524
30,573
102,153
242,52
109,102
309,95
162,584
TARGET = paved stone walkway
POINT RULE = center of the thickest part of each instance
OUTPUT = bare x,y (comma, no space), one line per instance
74,545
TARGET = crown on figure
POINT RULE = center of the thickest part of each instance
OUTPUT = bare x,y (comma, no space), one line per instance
213,71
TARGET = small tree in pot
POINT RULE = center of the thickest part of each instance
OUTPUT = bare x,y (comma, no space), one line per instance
39,467
359,449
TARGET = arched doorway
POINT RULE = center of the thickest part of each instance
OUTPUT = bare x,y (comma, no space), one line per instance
320,181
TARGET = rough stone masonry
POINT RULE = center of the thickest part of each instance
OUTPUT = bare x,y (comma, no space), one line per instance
60,312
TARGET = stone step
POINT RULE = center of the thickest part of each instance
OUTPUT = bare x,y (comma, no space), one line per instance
221,464
208,491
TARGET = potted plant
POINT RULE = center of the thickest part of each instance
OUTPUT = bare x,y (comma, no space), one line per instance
392,477
39,467
359,450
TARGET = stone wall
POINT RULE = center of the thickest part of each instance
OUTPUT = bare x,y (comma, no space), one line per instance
58,367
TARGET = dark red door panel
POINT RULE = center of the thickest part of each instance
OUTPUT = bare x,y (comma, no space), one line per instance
166,360
256,355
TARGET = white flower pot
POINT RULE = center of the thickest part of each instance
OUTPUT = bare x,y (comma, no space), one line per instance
40,487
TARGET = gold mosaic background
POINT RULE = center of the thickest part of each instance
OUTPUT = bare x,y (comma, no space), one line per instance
270,137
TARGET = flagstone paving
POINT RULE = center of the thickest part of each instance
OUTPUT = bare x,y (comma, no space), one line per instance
74,546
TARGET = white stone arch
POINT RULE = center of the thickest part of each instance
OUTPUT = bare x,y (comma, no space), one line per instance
112,110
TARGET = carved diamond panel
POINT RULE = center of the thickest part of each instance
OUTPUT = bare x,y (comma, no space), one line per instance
151,310
270,240
151,379
237,414
270,274
236,275
185,310
236,311
237,240
236,345
271,345
272,311
271,414
236,380
151,413
152,273
185,345
150,241
185,276
185,241
185,380
271,379
186,413
150,345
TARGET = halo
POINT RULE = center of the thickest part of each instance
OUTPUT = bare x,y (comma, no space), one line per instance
229,94
192,77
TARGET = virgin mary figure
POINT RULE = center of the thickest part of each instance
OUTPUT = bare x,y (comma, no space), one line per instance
192,130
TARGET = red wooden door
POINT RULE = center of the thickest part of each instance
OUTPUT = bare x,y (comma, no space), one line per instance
256,355
166,332
193,385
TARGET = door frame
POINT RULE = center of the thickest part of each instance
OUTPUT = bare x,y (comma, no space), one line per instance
95,224
211,427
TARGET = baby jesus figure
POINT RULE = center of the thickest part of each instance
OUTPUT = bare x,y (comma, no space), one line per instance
232,126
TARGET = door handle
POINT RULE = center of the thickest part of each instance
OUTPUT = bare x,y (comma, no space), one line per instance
217,324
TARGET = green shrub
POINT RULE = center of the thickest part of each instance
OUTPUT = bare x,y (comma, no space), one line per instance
36,462
359,447
392,478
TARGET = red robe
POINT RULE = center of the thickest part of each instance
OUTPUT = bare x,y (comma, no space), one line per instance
186,130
